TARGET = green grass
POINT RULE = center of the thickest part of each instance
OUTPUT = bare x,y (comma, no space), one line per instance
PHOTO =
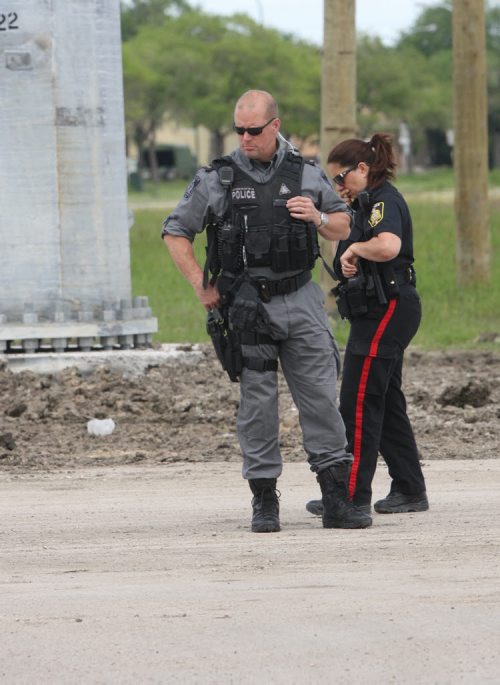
180,316
454,316
169,193
437,179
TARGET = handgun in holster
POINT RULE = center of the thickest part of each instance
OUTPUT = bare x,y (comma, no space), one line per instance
226,344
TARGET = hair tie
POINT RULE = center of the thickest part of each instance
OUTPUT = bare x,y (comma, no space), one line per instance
373,148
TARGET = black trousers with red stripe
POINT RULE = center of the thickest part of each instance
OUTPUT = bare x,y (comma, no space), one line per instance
372,403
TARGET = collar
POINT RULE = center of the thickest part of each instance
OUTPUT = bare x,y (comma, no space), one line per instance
262,168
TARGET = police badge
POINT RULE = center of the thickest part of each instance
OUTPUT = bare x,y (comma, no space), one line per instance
377,214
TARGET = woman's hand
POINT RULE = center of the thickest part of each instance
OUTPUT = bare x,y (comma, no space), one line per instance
345,194
349,263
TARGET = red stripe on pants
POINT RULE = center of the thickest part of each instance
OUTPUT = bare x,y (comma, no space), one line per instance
360,397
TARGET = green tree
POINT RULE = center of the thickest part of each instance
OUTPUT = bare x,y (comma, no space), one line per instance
431,36
137,13
247,55
431,32
146,88
191,67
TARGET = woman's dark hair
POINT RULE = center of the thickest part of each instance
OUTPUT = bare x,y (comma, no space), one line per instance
377,153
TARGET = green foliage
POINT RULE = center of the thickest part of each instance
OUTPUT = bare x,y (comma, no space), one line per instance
137,13
182,63
193,66
431,32
431,37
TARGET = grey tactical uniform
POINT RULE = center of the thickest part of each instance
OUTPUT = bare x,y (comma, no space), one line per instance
307,350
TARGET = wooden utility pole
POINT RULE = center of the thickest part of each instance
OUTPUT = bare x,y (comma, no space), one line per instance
338,76
473,246
338,93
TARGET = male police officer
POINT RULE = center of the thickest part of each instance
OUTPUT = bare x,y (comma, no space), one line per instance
268,206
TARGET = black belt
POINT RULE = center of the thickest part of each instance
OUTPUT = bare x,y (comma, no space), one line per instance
269,288
406,276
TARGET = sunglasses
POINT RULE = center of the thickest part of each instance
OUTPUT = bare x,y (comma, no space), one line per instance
339,178
253,130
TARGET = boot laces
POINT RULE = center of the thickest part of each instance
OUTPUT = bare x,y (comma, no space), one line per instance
262,498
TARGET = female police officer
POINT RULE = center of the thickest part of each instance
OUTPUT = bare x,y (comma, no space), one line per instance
377,294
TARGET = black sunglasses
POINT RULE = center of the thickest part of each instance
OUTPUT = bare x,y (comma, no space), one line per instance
339,178
253,130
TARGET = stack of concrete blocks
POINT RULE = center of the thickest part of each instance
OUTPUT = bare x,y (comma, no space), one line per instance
64,227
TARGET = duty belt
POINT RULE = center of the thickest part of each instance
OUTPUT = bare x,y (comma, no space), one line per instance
407,275
267,288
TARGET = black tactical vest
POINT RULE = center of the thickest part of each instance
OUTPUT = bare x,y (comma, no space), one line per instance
258,229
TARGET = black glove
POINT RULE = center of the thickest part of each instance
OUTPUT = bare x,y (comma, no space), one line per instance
247,313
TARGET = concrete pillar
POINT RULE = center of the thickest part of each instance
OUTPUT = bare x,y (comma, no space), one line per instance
63,204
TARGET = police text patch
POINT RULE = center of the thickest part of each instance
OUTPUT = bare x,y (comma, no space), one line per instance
191,187
377,214
243,194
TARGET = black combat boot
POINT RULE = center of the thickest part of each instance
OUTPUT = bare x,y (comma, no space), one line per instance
399,503
266,507
315,507
338,511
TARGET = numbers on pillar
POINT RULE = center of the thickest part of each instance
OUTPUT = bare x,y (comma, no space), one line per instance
8,21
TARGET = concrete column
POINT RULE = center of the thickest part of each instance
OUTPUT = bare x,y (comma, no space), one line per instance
63,204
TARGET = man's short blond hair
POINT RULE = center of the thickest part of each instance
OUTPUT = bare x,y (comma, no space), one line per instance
252,98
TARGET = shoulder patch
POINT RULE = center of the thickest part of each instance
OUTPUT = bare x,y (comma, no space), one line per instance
377,214
191,187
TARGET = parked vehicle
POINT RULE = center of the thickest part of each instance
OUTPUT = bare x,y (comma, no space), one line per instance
173,161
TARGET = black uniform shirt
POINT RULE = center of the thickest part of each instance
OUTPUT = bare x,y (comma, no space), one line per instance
385,211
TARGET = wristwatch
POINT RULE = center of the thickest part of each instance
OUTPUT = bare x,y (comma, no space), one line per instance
323,219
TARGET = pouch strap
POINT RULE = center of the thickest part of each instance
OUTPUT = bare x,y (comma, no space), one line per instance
256,364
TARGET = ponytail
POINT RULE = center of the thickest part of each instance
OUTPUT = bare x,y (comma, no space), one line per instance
377,154
383,165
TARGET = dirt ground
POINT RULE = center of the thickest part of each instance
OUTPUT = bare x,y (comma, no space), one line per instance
184,408
129,558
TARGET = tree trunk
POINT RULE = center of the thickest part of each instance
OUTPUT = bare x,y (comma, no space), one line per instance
140,142
338,97
473,247
216,144
153,162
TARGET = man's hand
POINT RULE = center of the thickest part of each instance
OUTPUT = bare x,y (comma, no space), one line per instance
303,208
338,226
182,253
209,296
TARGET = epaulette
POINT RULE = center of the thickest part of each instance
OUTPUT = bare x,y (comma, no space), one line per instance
215,164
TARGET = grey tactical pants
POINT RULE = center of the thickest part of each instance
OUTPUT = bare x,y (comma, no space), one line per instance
310,362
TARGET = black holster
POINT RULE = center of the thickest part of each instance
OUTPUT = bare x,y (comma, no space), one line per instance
351,297
226,343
